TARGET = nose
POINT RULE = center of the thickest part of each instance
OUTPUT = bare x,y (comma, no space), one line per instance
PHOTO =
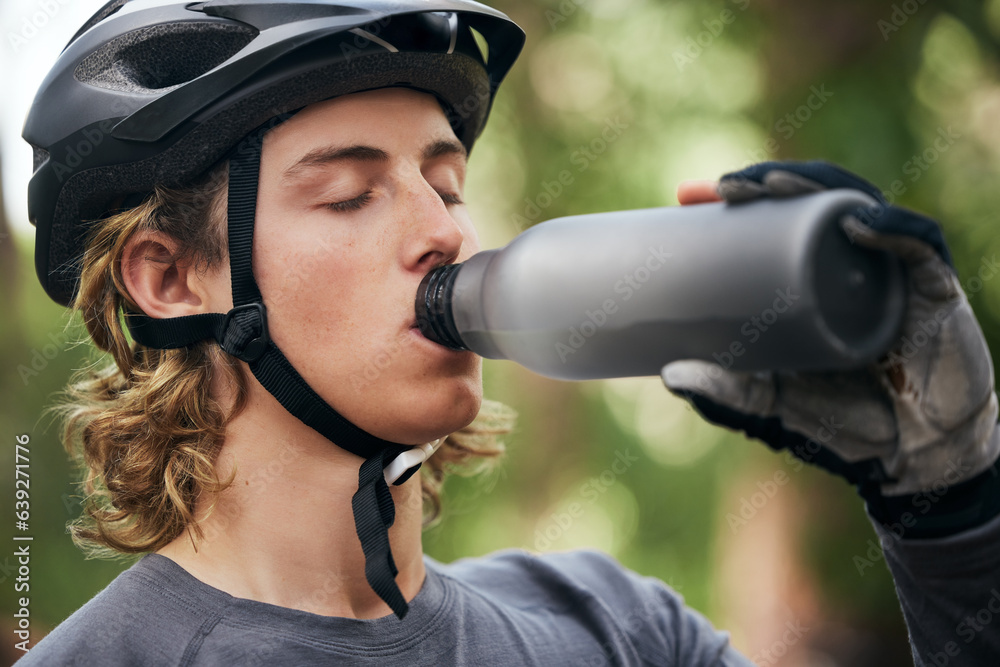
436,237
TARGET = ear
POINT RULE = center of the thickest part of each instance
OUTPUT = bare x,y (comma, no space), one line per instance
162,287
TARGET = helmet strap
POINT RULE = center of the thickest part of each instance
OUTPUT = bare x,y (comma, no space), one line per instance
243,333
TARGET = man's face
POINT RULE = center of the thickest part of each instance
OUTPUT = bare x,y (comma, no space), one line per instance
359,198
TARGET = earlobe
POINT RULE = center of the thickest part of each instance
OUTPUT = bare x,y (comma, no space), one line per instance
160,285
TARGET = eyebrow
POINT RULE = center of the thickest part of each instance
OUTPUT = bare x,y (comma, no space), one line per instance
445,147
360,153
324,156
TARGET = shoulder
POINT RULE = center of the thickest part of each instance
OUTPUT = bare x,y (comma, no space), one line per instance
146,616
536,578
592,584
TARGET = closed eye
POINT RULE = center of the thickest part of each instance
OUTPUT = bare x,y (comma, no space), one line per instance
361,200
355,204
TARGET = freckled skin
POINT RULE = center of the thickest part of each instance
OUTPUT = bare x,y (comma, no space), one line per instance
339,268
340,285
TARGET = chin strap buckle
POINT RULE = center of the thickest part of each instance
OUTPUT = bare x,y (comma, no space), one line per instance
244,332
410,459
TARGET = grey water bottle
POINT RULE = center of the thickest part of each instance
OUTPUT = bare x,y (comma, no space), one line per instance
769,284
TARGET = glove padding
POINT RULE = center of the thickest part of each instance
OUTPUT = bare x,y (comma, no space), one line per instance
922,419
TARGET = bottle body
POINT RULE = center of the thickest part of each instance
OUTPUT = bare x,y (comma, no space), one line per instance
770,284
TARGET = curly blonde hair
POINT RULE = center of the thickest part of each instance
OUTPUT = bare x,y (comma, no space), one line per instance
145,429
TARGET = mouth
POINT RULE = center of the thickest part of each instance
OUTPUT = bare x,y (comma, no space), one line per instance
414,329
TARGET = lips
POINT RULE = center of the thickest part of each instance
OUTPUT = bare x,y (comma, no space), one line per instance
414,329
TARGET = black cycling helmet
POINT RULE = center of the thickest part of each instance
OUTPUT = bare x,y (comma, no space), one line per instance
159,91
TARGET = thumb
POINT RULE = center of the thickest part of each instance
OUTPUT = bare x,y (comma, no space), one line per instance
697,192
747,393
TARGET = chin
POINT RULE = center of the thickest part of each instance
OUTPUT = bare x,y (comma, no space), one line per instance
462,414
436,413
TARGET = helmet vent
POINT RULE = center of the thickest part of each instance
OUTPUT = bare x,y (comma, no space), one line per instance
163,56
484,46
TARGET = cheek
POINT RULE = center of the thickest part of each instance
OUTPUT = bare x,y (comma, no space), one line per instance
306,292
327,300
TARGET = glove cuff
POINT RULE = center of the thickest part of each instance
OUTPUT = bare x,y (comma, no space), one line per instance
938,512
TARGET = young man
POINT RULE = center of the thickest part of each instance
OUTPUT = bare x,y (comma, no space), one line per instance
265,185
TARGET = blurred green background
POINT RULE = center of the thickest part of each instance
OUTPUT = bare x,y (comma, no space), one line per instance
694,89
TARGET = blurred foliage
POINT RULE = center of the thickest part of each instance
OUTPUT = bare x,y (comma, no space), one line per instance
689,90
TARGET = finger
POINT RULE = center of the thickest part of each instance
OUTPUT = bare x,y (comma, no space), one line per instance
852,405
927,271
827,175
747,393
898,221
697,192
776,183
781,183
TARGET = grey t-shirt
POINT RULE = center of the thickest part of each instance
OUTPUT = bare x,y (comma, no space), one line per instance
511,608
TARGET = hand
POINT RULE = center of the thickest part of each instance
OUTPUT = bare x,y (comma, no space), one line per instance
917,430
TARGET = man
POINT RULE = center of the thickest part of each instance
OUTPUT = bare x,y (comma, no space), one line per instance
264,187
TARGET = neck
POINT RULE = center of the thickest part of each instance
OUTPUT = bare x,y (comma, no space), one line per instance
283,532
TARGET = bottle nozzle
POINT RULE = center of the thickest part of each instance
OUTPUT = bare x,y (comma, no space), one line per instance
434,316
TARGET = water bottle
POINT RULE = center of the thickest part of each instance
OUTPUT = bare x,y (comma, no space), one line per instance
769,284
